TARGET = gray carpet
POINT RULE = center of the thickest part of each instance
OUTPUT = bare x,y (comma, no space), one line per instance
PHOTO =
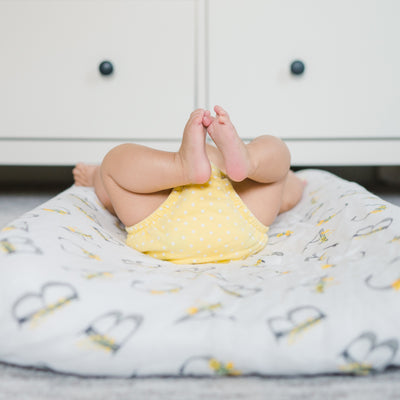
26,384
14,203
30,384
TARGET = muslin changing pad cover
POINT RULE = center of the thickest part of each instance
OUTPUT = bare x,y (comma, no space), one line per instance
323,296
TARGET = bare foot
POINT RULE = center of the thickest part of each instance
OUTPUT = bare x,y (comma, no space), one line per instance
232,148
193,149
84,174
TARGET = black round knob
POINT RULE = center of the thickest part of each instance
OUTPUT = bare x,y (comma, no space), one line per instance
106,68
297,67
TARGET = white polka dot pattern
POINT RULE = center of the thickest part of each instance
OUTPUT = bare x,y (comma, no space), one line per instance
200,224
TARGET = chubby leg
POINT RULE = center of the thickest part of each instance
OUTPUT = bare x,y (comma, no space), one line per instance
260,171
267,200
142,169
134,180
266,159
89,175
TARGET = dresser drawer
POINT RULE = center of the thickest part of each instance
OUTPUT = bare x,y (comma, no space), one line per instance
50,82
350,87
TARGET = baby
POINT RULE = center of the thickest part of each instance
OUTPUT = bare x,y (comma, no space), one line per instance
202,203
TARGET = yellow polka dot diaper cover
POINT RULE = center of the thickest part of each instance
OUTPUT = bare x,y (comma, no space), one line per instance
200,224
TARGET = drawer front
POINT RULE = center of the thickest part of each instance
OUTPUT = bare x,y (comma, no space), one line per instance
50,82
350,87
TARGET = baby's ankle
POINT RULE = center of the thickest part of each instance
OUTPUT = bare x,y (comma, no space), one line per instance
193,172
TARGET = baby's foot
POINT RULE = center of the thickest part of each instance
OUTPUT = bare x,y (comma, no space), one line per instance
192,152
232,148
84,174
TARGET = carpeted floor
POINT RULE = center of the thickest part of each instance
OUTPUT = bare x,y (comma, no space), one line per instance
15,202
29,384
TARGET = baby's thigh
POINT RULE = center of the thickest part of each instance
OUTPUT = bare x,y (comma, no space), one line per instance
264,200
293,192
130,207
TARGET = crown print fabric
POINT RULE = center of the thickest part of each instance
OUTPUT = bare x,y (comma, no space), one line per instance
323,296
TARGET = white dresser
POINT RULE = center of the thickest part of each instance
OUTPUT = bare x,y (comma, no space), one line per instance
59,103
323,75
79,77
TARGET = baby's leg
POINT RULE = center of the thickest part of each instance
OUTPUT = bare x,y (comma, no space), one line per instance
89,175
267,200
137,179
259,170
266,159
142,169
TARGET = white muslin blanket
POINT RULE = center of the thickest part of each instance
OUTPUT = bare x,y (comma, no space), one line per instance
323,296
